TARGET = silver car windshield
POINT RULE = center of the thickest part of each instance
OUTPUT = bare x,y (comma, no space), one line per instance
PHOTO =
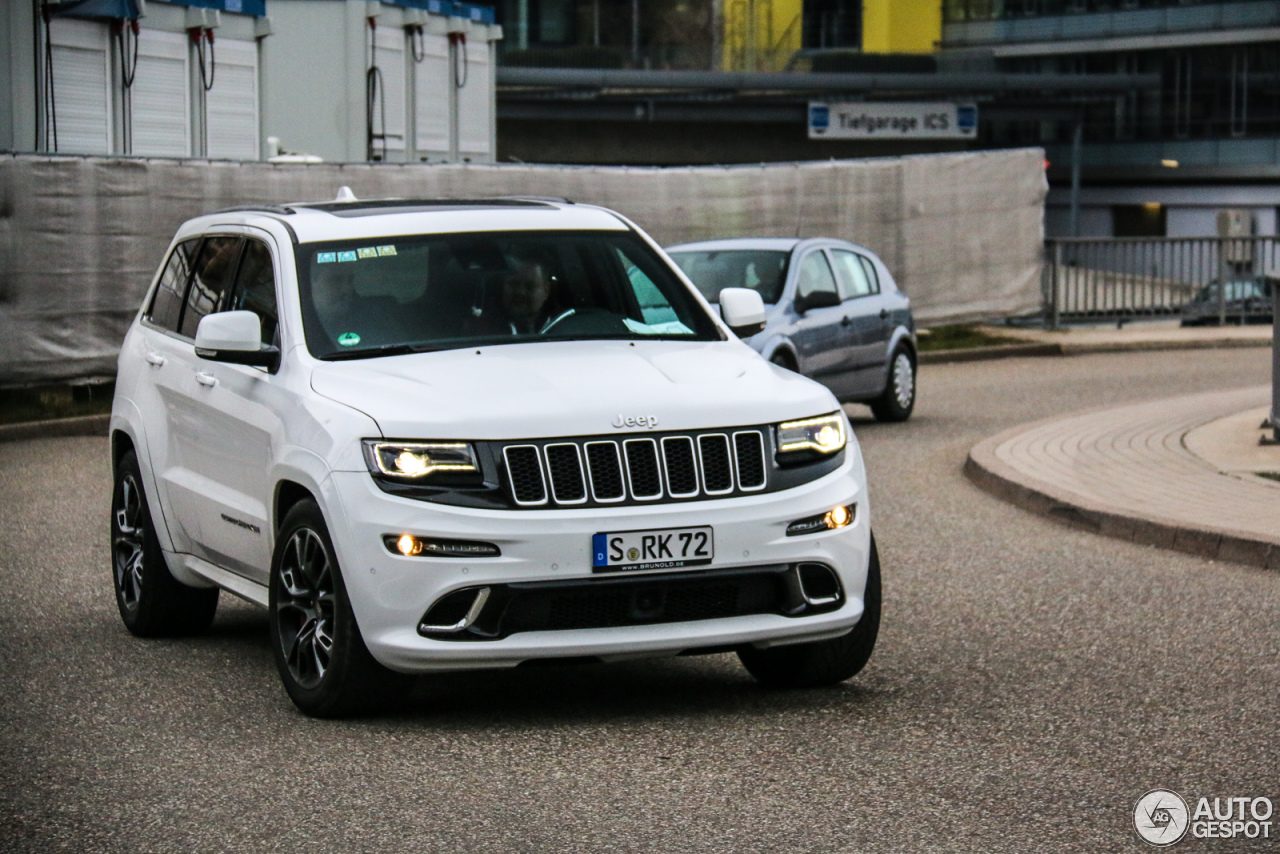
397,295
761,270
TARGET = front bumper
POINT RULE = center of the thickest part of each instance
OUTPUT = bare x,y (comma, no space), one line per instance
391,593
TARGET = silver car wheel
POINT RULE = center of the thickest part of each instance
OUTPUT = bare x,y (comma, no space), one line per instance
904,380
130,542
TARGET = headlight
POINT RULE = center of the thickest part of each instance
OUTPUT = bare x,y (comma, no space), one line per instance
420,461
821,436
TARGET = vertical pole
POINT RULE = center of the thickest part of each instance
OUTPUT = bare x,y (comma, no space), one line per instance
1222,281
595,23
1076,139
635,33
1275,364
1051,316
522,25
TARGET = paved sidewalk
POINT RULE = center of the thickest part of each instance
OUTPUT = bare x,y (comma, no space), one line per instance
1178,473
1139,335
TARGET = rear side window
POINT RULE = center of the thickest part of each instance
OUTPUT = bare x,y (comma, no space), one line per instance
872,276
815,275
255,288
854,280
166,305
214,268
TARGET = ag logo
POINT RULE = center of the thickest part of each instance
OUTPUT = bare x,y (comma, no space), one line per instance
1161,817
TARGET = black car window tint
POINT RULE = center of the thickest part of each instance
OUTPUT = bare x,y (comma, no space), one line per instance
872,276
853,276
214,268
815,275
166,304
255,288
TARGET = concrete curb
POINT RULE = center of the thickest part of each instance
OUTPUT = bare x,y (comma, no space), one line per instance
84,425
1071,348
1003,481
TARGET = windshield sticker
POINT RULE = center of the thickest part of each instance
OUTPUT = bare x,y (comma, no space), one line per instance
348,339
346,256
326,257
367,252
386,250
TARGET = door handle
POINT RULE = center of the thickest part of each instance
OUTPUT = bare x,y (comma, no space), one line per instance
884,314
155,359
846,321
206,379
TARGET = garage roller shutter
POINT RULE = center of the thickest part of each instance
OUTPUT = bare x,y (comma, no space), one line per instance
231,106
390,41
82,85
475,101
161,95
431,98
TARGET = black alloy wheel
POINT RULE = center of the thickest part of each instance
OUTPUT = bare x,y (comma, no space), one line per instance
320,654
152,602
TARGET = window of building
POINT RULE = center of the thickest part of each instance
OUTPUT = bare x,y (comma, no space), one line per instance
1147,220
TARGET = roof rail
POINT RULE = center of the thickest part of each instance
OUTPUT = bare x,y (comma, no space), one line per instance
520,197
274,209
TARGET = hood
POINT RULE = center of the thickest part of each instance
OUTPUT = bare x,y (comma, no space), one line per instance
572,388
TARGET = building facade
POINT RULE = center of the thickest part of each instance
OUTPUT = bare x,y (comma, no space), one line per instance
250,79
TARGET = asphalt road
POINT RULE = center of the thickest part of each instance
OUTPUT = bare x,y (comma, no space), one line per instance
1030,684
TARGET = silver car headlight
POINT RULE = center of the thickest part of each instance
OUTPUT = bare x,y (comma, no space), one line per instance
811,437
419,462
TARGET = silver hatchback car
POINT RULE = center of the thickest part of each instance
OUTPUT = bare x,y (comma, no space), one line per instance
833,313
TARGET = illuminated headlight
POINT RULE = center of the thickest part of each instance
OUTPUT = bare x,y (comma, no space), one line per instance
411,546
821,436
420,461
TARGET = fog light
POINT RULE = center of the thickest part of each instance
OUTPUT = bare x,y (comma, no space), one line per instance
837,517
411,546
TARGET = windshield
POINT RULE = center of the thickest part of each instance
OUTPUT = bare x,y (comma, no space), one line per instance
411,294
762,270
1238,289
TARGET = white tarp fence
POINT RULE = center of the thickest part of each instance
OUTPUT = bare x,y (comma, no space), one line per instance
81,237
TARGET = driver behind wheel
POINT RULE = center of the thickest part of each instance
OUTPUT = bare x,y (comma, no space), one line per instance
528,301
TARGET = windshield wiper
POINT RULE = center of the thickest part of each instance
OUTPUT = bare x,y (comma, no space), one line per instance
372,352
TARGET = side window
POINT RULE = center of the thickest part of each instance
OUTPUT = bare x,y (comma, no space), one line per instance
214,268
166,305
853,275
872,276
654,305
256,288
815,275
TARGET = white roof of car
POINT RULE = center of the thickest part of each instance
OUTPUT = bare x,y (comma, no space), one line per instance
314,222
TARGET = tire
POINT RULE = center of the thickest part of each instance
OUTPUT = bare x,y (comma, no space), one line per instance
324,664
898,399
782,360
152,602
811,665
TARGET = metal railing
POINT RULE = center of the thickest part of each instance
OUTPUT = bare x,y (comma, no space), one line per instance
1098,278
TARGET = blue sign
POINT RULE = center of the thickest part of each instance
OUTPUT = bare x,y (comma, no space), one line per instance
967,118
819,117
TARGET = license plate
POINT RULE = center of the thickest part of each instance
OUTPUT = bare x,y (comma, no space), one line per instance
665,548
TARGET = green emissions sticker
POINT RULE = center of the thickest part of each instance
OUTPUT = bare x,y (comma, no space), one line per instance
348,339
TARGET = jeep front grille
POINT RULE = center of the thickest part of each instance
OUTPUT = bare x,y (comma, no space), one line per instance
569,472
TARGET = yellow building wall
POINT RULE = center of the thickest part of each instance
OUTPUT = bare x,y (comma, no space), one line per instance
901,26
759,35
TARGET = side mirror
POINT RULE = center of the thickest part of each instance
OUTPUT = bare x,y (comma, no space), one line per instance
742,310
235,337
817,299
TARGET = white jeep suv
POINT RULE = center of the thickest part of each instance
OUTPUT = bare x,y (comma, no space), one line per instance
442,435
